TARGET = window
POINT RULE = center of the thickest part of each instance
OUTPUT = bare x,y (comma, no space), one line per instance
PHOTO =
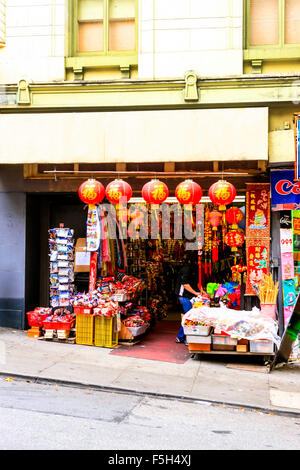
292,22
273,23
105,26
2,23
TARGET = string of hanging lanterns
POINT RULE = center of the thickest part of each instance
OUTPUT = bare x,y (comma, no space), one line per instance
188,193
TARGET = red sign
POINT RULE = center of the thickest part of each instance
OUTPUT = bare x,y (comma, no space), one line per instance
258,206
93,271
258,210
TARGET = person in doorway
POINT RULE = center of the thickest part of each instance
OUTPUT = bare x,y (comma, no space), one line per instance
187,287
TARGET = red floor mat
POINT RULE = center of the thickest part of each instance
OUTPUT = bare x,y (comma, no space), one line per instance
158,345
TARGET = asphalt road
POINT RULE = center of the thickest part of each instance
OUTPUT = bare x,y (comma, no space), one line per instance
50,417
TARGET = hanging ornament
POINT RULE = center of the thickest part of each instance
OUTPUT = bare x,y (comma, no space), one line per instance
155,192
207,243
188,192
222,193
215,219
234,216
91,192
118,189
234,239
119,192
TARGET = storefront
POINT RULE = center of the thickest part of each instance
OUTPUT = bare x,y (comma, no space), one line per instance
112,269
132,283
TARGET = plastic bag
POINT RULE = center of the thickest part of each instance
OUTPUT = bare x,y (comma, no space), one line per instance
238,324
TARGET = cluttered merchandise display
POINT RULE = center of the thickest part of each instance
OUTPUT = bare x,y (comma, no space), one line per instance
222,326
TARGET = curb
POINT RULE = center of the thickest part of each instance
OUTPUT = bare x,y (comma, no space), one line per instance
162,396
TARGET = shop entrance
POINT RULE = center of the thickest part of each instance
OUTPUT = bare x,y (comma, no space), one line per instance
156,262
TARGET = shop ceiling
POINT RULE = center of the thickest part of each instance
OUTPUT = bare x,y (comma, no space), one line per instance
136,173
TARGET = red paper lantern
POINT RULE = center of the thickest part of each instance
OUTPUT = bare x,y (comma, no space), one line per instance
215,219
234,239
155,192
188,192
222,193
91,192
118,189
234,216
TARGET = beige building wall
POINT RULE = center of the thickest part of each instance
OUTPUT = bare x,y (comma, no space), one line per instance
180,35
174,36
35,41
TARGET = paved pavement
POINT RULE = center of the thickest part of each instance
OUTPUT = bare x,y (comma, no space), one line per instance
219,379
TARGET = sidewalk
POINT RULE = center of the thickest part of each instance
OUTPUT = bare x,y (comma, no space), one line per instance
209,379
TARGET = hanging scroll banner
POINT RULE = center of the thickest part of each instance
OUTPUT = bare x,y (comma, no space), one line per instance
258,210
258,256
258,207
93,271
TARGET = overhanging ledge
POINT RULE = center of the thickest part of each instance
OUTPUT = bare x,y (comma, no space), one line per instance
231,134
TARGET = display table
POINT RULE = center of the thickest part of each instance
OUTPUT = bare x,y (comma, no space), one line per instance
230,332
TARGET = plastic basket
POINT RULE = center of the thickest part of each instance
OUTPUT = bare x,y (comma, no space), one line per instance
82,310
225,340
58,325
262,346
35,318
105,336
85,329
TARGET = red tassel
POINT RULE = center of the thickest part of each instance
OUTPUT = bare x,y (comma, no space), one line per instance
215,253
200,273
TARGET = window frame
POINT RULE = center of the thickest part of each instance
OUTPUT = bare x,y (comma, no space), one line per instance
269,51
105,57
3,22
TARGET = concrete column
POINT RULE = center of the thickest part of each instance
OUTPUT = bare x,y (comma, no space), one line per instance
12,259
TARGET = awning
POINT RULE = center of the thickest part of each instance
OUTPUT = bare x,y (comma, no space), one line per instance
135,136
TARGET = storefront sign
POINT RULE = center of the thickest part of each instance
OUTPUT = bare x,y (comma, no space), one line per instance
286,240
289,293
285,219
287,266
284,188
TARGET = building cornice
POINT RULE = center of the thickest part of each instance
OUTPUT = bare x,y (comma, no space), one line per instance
248,90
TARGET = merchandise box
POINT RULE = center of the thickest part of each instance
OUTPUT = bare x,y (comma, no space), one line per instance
82,257
261,346
198,339
198,347
224,340
197,330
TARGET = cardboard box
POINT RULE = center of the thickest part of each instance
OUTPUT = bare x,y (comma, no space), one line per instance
34,332
199,347
198,339
223,347
82,257
242,346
